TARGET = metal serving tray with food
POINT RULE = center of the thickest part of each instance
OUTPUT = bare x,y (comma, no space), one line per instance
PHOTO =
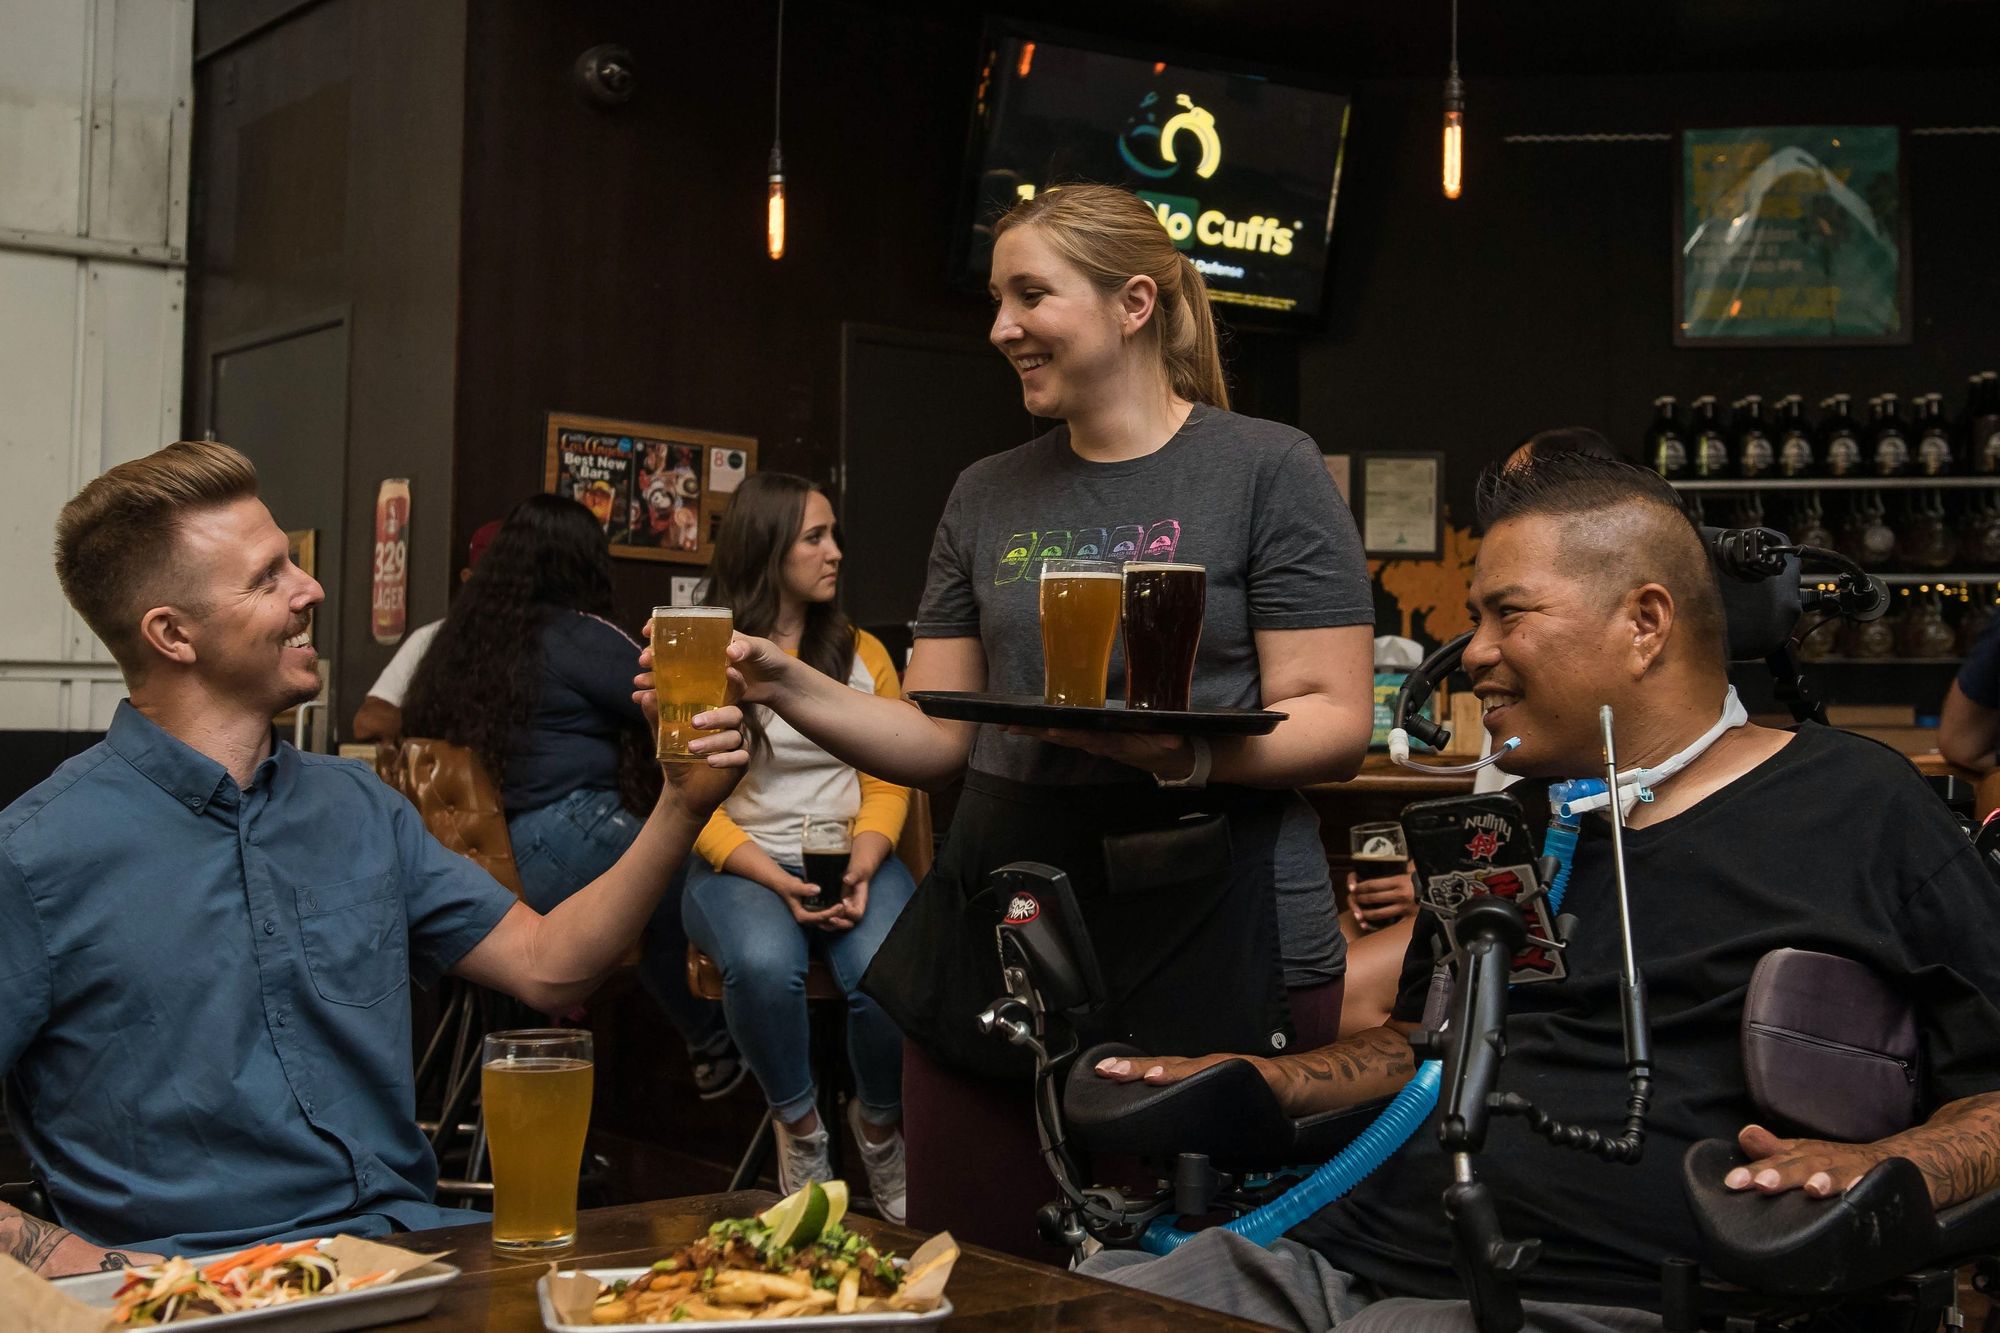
793,1265
308,1286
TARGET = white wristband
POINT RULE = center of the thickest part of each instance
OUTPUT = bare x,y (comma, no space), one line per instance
1203,758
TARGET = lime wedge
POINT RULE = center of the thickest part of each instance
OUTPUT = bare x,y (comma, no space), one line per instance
803,1225
836,1202
788,1207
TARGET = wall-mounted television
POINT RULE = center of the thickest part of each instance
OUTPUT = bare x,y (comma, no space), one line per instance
1243,169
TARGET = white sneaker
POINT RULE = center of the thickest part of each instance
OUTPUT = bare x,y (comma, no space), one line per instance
887,1178
802,1158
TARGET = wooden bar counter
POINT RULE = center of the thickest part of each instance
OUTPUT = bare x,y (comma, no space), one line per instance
1378,792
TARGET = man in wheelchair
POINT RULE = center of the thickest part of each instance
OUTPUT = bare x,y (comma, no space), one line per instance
1592,588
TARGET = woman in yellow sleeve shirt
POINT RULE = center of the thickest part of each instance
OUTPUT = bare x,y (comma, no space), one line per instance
777,567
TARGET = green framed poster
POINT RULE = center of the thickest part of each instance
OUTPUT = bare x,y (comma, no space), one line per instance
1792,234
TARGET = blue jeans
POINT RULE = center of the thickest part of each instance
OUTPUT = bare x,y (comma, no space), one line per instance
565,845
763,953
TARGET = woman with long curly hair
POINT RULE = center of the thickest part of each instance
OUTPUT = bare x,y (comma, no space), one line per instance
529,673
748,903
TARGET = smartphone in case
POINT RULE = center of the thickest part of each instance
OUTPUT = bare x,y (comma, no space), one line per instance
1468,845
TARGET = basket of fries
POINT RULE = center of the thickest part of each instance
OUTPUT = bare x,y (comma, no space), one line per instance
793,1265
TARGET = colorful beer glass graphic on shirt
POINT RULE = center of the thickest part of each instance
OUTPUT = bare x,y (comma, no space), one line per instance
1022,554
1163,539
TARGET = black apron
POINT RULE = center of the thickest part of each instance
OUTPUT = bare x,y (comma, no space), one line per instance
1175,886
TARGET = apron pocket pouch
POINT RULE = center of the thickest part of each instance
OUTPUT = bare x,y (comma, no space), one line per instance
1183,855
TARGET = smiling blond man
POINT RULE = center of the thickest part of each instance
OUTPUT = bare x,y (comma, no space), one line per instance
207,937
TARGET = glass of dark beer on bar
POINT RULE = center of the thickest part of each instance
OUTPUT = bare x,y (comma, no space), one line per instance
1164,603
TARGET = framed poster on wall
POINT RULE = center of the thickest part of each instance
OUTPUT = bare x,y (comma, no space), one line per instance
1401,503
1792,235
659,491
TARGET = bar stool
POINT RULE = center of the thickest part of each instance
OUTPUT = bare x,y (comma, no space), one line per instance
704,978
915,848
460,805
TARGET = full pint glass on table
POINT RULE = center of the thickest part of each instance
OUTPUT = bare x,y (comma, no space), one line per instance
1079,625
535,1088
689,671
1163,610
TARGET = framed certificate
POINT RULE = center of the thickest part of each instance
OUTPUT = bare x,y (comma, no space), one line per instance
1400,504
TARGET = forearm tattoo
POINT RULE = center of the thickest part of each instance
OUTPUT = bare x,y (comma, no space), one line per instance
1957,1149
1369,1064
29,1239
113,1259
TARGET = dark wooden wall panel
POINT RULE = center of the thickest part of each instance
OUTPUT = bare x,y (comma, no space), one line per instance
327,144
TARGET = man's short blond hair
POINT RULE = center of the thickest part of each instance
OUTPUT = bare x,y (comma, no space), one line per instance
115,541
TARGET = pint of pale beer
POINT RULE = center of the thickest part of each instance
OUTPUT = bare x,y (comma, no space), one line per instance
535,1089
1163,609
1079,625
690,672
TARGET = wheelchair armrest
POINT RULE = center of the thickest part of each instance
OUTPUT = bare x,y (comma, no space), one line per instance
1226,1112
1792,1245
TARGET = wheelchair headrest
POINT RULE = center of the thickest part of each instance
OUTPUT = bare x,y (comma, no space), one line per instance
1760,613
1044,931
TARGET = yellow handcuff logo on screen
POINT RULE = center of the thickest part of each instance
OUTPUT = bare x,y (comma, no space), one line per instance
1199,122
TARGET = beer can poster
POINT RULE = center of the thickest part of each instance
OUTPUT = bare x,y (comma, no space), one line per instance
1793,234
659,492
389,600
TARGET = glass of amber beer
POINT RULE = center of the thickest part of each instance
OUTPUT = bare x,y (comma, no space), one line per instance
690,672
1079,625
1163,609
535,1089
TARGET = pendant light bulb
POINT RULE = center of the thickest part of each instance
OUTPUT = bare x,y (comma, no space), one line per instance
1454,119
774,207
774,192
1454,153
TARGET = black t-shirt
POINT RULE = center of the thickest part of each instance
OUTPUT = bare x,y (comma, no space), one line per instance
1833,844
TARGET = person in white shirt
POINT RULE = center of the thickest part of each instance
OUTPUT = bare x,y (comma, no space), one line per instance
748,904
380,717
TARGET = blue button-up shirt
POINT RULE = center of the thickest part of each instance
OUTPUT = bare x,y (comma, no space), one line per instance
204,992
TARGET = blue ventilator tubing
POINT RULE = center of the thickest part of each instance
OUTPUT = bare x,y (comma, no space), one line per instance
1400,1118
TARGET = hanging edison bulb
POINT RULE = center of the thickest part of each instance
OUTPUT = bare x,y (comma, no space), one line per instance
1454,119
1454,153
774,207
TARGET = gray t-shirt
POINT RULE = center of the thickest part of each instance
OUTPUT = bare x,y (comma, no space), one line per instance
1250,500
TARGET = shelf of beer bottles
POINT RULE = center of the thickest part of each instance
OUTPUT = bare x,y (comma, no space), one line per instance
1843,484
1880,661
1939,580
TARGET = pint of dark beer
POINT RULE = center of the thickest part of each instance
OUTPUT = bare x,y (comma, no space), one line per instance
1163,610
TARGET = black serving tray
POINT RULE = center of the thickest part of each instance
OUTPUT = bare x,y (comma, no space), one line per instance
1028,710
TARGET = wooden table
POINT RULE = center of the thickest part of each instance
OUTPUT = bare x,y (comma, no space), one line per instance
988,1290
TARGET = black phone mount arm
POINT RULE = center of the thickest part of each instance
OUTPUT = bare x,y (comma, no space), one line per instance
1490,930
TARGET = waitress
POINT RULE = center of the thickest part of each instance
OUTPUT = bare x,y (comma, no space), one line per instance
1197,866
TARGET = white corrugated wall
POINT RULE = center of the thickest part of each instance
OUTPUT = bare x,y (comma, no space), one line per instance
95,103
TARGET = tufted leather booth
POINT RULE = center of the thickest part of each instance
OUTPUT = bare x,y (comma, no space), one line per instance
459,801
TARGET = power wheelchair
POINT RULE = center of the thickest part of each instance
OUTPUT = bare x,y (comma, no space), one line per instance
1879,1257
